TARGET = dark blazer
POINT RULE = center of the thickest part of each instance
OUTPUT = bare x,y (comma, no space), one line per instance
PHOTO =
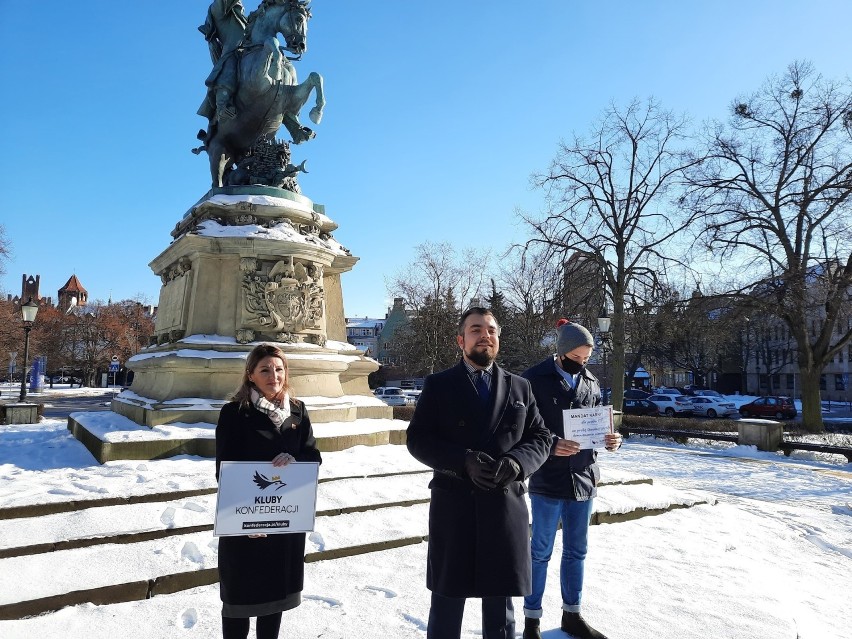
575,476
267,572
478,540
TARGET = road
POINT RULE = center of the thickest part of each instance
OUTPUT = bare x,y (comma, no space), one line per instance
60,406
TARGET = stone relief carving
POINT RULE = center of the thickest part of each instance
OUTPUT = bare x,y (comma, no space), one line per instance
176,270
283,297
245,335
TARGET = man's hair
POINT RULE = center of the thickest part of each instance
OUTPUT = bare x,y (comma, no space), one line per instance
477,310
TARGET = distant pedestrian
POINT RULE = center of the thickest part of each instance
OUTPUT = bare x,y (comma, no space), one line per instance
262,575
478,427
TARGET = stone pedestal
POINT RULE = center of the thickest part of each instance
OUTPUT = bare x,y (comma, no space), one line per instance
764,435
18,413
248,265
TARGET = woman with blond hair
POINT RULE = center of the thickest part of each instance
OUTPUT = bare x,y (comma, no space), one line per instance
262,575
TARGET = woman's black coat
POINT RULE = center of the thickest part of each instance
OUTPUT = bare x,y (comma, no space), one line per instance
264,570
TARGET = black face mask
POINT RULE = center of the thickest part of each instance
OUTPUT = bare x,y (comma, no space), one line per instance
570,366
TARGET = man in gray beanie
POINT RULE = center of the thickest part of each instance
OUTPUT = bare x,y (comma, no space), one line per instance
563,488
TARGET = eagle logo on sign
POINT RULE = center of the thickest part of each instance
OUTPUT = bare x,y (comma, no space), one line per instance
263,482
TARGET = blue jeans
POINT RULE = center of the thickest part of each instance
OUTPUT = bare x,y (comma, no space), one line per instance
546,514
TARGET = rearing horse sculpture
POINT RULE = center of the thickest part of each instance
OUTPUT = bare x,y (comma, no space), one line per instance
267,91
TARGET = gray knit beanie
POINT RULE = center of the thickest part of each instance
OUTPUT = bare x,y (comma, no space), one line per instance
570,335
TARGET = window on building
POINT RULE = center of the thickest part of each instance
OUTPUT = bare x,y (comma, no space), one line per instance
791,381
822,383
764,380
839,382
776,381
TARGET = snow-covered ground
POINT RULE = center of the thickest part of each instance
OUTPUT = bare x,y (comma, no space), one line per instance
771,559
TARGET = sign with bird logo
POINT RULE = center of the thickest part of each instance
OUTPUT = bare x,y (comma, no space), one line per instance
259,498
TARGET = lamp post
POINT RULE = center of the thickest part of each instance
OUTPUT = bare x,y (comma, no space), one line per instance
28,315
603,329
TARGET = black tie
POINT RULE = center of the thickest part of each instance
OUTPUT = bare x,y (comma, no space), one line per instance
482,387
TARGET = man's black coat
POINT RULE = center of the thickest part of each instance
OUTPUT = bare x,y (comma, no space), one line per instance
478,539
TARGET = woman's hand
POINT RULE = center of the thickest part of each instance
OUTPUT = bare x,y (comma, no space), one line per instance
282,459
257,535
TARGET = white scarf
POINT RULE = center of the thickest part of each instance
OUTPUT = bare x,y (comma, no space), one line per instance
277,413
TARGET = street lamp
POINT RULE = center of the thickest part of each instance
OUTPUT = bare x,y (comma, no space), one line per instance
603,329
28,315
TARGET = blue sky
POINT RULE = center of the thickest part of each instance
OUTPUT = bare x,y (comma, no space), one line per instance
437,115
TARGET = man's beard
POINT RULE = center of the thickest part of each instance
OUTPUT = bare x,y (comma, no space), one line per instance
481,356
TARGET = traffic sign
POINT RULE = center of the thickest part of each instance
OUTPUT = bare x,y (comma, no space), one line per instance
113,367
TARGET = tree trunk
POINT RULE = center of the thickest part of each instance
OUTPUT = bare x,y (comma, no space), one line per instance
616,371
811,401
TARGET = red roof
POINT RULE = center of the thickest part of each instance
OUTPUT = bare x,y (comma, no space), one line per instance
73,286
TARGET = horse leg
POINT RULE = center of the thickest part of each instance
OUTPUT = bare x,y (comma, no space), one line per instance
219,162
293,99
315,79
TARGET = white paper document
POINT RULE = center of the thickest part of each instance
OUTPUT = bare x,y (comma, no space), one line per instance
257,497
588,426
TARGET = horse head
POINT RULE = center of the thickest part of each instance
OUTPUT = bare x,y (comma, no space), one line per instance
293,25
287,17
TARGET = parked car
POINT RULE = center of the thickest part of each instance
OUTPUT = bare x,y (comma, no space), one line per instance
712,406
668,391
412,393
704,392
672,405
393,396
635,393
640,407
770,406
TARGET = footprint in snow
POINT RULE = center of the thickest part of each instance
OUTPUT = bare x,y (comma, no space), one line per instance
142,468
389,594
328,601
168,517
191,505
191,552
415,621
89,487
60,491
317,540
188,618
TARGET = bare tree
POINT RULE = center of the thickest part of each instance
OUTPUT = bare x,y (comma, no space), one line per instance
775,191
531,285
436,286
692,332
606,203
5,248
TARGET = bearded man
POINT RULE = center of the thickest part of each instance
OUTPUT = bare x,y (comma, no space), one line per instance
479,428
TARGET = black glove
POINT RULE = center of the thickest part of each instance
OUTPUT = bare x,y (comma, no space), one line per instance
480,468
506,471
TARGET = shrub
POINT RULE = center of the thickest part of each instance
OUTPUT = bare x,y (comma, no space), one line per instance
405,413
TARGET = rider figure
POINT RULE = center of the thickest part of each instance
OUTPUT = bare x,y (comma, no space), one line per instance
223,29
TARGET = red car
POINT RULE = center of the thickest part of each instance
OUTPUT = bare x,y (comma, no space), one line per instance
770,406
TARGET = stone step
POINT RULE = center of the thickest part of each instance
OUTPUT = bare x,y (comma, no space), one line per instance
110,436
364,518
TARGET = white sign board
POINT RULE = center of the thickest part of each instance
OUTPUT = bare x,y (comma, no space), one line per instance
587,426
257,497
